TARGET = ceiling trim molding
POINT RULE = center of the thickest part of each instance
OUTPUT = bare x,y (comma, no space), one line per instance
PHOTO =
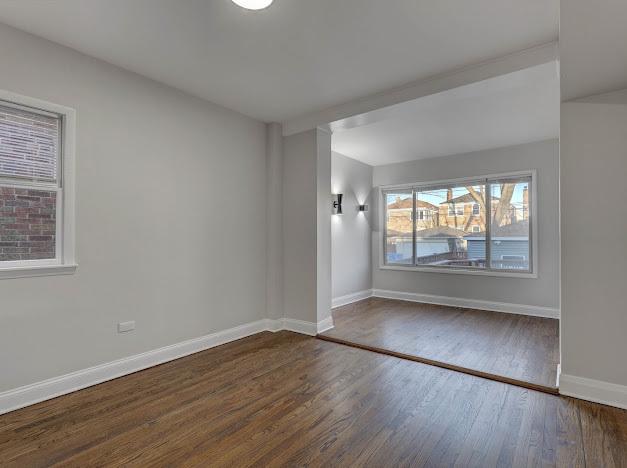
326,128
482,71
609,97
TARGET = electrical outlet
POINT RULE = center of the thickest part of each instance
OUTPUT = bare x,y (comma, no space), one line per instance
126,326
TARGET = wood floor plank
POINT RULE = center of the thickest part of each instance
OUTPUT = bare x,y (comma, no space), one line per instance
604,435
288,400
515,347
569,438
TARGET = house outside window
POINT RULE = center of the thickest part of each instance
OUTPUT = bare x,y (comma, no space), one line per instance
498,239
455,210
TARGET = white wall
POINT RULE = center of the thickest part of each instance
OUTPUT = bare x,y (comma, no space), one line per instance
594,241
171,219
540,292
351,232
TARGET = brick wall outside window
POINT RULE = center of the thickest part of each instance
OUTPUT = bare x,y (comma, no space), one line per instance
27,224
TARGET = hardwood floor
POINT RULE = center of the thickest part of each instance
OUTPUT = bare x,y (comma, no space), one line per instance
289,400
518,348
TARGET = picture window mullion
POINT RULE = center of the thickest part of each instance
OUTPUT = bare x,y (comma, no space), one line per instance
488,225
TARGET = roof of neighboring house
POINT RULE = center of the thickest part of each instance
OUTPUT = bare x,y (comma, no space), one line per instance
466,198
424,204
442,232
409,203
517,229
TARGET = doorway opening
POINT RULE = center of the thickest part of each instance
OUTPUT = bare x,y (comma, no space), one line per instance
446,249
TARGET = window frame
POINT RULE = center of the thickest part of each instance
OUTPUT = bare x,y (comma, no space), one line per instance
65,258
482,179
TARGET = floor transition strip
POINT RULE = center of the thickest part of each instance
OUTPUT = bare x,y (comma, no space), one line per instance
445,365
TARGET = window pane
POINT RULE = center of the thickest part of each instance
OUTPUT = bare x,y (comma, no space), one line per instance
27,224
29,145
399,227
510,224
453,233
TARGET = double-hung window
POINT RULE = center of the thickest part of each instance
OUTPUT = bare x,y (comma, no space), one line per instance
36,211
493,236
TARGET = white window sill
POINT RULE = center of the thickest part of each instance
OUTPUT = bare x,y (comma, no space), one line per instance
461,271
36,270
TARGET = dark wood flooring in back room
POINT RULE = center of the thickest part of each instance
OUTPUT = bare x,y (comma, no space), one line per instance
289,400
512,346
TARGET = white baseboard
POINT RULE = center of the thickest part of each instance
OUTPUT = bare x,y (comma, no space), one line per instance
521,309
307,328
350,298
593,390
34,393
300,326
325,324
274,325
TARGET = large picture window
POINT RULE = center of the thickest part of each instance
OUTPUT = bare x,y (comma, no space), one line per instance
479,224
35,213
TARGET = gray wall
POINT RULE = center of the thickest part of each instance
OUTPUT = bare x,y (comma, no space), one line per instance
594,237
323,225
306,226
543,291
299,226
351,232
274,222
166,185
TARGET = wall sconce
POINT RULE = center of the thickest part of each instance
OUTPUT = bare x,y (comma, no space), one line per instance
337,204
363,208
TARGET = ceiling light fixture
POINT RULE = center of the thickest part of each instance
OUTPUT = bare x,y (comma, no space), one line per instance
253,4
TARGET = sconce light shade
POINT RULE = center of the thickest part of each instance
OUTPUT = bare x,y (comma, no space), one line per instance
363,207
337,204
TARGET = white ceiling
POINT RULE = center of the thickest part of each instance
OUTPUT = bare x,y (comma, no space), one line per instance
593,47
507,110
295,57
